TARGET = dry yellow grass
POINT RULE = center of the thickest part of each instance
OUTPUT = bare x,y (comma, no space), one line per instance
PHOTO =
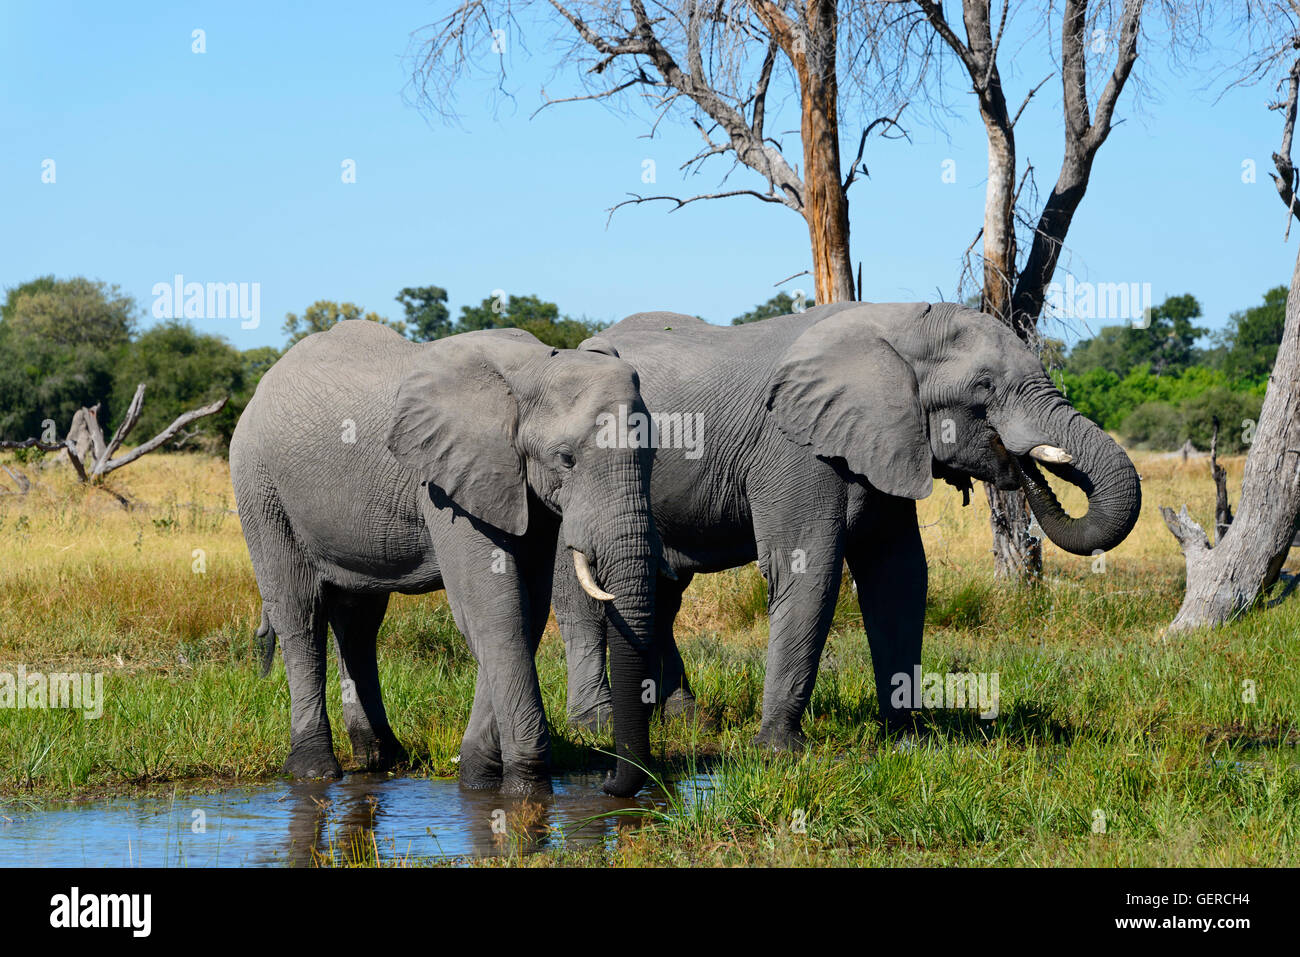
83,579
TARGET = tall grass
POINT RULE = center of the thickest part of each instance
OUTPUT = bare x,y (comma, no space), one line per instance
1112,745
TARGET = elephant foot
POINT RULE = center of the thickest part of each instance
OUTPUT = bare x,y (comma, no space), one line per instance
682,704
379,752
527,782
480,771
308,761
594,720
780,739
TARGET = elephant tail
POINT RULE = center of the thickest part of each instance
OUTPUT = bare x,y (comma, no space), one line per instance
266,643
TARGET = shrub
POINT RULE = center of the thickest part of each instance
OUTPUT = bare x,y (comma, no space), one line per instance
1232,409
1154,425
1166,425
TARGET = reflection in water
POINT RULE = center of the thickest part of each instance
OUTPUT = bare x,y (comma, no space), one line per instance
361,819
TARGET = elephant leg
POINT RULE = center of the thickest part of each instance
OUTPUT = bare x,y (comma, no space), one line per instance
675,696
480,750
480,763
889,569
300,624
356,620
802,556
582,625
493,611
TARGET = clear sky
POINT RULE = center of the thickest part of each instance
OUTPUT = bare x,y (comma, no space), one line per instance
226,167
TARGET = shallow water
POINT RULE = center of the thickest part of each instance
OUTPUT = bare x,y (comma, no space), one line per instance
360,818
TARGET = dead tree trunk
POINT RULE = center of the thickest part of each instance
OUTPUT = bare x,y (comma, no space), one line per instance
1225,580
1017,553
826,202
1017,296
1222,510
93,458
700,52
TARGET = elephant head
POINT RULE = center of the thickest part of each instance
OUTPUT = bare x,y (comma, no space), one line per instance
903,392
491,418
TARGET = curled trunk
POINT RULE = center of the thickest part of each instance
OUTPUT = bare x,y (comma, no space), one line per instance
1100,469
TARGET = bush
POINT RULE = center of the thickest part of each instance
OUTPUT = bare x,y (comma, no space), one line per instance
1166,425
1154,425
1233,409
182,369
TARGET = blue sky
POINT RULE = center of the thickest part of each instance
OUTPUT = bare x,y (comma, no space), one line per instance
226,167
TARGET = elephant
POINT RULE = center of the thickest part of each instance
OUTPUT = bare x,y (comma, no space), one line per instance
823,429
367,464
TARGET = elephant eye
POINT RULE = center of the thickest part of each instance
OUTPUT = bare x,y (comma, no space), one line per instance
565,458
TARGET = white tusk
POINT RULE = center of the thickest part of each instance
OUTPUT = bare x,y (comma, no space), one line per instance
1050,453
586,579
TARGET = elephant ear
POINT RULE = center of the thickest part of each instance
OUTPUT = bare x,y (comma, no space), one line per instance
844,391
455,423
598,344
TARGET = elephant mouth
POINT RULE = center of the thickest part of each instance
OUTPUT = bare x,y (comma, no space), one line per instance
1031,478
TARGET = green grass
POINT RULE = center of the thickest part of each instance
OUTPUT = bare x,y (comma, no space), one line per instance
1101,718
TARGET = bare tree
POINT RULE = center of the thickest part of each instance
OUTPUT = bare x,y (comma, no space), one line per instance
1013,291
722,60
1247,558
92,457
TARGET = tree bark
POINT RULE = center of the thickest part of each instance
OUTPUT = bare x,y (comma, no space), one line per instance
811,45
827,207
1222,510
1017,552
1016,296
1225,580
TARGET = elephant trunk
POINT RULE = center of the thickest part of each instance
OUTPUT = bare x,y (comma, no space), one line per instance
1099,467
626,565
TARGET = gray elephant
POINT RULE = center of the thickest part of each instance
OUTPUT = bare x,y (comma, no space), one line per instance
366,464
820,432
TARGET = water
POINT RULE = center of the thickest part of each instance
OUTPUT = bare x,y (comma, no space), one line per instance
360,818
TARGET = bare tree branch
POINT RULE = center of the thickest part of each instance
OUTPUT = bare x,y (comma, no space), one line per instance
1284,178
178,423
635,200
862,143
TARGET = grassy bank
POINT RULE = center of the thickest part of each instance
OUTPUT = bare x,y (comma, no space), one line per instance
1101,720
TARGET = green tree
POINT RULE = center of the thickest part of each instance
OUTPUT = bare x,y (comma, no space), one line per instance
1166,345
182,369
15,293
427,316
1108,351
72,312
256,362
323,314
782,304
1169,342
60,339
1253,336
531,314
